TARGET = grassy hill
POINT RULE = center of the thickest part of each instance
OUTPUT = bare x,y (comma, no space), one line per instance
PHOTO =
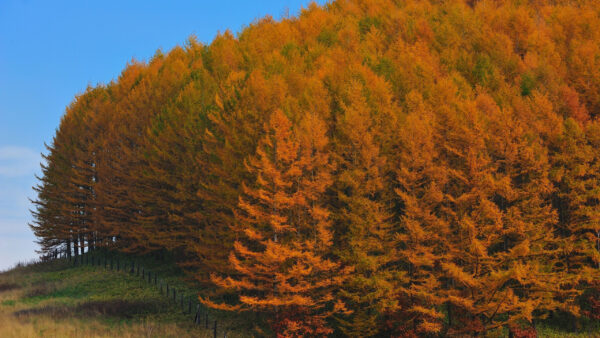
57,299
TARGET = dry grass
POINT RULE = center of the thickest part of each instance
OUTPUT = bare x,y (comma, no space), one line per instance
56,300
34,325
87,319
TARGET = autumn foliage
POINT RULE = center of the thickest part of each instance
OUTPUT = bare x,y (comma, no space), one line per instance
365,168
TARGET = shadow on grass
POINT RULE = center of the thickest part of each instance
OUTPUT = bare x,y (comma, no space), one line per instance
109,308
40,289
8,287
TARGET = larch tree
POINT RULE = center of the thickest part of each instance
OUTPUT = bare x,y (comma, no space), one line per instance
363,218
48,225
422,235
574,174
281,262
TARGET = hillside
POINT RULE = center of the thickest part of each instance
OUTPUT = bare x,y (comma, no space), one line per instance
58,299
365,168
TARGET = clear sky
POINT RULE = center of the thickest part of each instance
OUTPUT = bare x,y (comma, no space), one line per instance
52,50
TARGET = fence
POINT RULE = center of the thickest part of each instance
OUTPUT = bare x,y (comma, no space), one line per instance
189,305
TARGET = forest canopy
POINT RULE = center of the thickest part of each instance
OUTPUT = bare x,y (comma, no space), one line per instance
365,168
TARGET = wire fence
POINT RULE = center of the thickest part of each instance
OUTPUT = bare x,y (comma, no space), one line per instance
184,299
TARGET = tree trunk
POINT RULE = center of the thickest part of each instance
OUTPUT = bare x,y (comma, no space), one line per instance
82,243
68,248
75,246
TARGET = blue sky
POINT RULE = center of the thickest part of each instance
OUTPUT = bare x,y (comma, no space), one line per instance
52,50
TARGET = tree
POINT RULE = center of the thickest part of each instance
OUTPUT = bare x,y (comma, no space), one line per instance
281,262
363,219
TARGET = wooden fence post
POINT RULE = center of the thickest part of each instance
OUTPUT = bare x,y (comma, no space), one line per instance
189,305
206,319
174,296
197,317
215,330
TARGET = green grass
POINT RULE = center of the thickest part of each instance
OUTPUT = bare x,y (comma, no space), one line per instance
8,303
117,301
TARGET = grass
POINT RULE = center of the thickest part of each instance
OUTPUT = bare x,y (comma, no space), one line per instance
56,299
558,329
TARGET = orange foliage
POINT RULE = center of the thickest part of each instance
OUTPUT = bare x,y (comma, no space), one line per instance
366,168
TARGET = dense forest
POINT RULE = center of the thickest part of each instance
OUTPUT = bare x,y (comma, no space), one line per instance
367,167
